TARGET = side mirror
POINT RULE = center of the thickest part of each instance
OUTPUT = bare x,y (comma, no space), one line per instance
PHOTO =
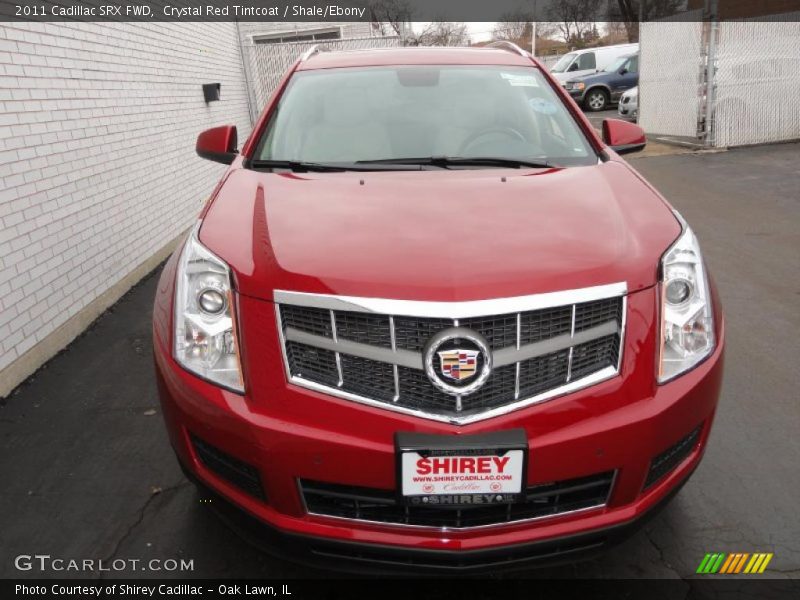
623,70
218,144
623,137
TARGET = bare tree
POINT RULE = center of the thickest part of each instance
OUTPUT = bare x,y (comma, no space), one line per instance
627,11
390,16
618,32
574,19
443,33
513,27
546,30
630,12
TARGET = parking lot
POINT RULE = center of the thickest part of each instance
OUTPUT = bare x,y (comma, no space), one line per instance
655,146
88,471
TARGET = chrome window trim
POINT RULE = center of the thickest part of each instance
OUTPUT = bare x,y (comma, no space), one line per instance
443,310
451,310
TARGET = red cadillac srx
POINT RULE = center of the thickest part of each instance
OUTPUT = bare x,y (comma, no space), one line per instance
429,319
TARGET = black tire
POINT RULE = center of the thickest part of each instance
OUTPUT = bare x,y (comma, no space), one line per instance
596,100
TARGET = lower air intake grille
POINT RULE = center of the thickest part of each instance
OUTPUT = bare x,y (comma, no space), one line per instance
239,473
370,504
671,457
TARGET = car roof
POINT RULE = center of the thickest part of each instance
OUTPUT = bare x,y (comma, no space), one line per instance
414,56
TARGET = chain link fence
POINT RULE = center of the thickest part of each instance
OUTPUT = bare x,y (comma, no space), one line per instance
670,59
265,64
724,83
549,60
757,86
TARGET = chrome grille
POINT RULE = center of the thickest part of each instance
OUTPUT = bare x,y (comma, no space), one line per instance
412,333
316,321
314,364
591,314
371,350
380,506
544,324
364,328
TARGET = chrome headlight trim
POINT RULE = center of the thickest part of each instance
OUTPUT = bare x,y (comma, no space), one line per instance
205,344
687,331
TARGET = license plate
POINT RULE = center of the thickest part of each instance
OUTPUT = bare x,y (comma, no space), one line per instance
461,470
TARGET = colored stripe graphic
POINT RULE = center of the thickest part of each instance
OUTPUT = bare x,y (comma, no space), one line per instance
726,565
718,564
766,562
740,565
711,562
758,563
704,563
734,563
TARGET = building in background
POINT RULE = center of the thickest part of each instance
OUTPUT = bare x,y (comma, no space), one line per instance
268,49
282,32
98,174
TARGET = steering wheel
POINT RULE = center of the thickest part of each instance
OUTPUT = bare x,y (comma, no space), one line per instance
509,132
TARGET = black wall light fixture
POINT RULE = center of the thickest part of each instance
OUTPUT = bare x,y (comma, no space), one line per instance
211,92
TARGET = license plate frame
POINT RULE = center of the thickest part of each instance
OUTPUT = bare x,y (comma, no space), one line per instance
510,444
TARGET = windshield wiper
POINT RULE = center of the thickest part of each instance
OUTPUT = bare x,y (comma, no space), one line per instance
459,161
304,166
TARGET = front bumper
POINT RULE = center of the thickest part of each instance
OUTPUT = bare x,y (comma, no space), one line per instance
360,558
628,110
288,434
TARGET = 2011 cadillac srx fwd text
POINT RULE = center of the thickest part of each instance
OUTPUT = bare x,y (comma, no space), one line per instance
430,319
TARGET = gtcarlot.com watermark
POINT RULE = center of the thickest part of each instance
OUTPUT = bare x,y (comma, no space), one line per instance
47,563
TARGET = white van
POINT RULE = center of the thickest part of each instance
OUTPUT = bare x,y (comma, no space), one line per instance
589,60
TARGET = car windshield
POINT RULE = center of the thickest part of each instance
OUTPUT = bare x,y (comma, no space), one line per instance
401,113
615,66
562,63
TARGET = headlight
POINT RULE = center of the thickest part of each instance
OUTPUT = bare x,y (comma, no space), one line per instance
205,328
687,321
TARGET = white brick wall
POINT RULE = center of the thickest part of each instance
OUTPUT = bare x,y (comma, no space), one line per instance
97,164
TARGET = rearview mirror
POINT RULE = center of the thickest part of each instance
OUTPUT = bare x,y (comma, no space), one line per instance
623,137
218,144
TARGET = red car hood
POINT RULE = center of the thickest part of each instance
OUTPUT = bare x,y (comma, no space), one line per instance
439,235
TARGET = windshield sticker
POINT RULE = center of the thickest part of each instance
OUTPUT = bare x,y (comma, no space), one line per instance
520,80
543,106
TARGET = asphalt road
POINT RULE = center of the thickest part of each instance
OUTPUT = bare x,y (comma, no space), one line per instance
597,118
655,147
87,471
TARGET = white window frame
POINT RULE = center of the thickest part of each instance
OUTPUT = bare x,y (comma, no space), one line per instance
288,36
